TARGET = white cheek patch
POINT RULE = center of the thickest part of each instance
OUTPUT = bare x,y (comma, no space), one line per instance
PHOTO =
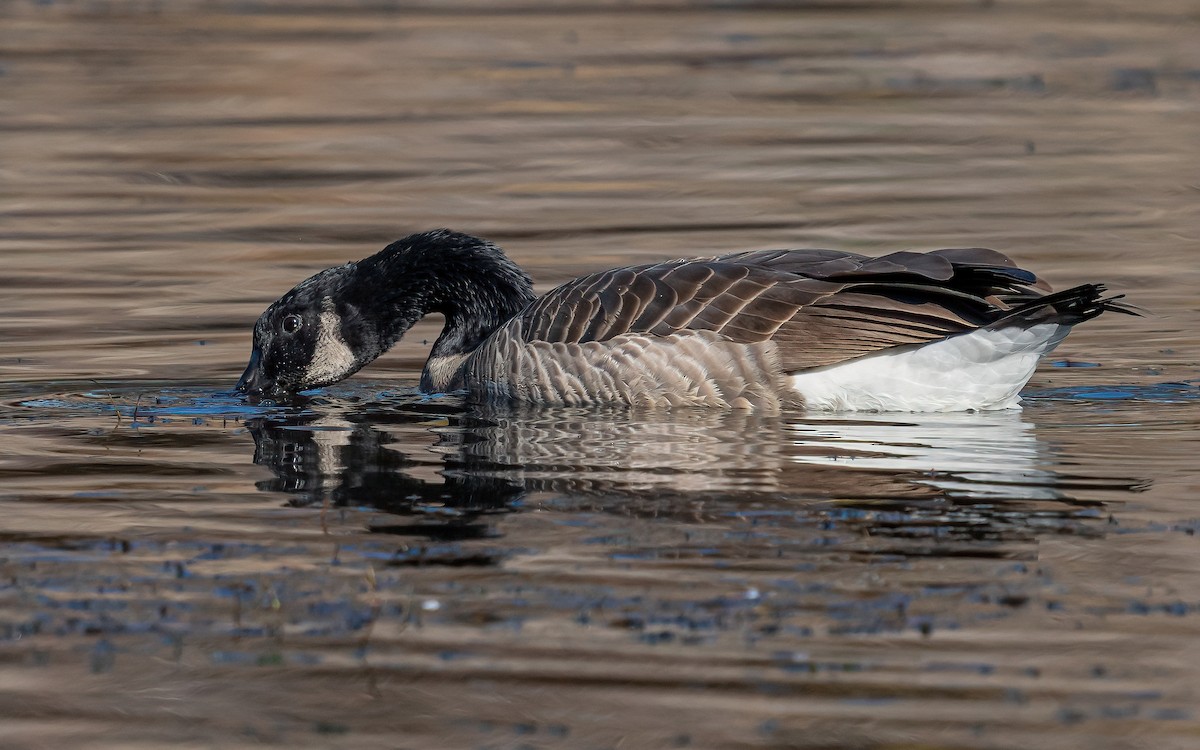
332,359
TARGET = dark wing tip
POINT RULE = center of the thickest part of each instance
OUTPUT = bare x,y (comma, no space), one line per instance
1075,305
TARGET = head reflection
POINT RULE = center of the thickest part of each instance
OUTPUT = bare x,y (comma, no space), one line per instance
353,460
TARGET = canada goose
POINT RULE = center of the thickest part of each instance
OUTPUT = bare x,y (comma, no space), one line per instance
946,330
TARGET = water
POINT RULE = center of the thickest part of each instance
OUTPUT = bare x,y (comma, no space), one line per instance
380,568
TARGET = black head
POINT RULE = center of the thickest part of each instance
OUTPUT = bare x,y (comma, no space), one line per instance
334,323
309,338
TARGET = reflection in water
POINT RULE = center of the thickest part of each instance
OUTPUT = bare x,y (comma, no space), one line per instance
345,459
942,473
881,562
967,455
602,451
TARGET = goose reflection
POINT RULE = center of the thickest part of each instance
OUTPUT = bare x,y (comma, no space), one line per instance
453,465
966,455
359,458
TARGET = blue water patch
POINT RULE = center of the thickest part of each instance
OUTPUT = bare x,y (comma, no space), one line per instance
1073,363
1163,393
148,403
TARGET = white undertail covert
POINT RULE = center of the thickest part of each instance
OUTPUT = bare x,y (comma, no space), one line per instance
984,370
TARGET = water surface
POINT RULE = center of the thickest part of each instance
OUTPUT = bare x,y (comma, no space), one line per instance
380,568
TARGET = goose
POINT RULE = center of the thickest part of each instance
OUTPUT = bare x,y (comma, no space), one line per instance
946,330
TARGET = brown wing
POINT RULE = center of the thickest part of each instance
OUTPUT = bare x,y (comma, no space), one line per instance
820,306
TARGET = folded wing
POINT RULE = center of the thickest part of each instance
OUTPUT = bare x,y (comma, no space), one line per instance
820,306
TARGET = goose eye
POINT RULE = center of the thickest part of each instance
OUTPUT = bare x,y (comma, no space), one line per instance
291,324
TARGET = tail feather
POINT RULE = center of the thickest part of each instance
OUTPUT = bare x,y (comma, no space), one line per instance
1068,307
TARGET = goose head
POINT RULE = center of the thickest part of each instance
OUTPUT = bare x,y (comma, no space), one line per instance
313,336
334,323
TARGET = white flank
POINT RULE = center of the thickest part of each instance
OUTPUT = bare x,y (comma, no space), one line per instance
332,359
984,369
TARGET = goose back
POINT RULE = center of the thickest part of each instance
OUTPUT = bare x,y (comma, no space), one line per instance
727,330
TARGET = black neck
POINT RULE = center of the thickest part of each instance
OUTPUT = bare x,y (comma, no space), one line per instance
468,280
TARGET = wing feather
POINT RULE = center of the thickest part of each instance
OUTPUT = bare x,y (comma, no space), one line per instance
820,306
624,312
656,308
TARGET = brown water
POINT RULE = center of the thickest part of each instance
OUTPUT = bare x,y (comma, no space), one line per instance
380,569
